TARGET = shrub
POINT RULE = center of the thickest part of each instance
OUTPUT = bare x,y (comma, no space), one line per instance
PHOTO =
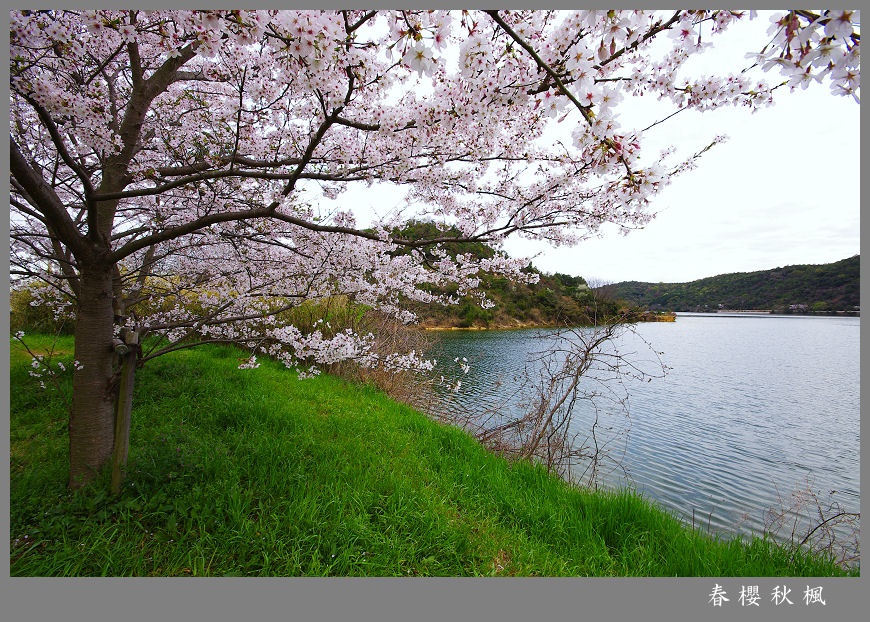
26,313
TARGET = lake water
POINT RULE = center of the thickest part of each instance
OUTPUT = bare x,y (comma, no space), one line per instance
751,408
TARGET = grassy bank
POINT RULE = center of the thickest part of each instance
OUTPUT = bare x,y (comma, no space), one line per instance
258,473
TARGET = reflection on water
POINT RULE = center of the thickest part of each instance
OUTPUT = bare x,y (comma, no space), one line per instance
752,408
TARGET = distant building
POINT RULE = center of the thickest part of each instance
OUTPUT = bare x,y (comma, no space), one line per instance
798,307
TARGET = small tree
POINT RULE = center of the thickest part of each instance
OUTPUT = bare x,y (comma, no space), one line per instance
168,167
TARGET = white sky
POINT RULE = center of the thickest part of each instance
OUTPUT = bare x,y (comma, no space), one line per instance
783,190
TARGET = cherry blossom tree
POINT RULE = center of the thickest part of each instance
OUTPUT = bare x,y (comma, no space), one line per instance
169,169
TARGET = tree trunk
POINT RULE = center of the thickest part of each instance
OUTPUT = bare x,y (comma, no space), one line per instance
125,406
91,423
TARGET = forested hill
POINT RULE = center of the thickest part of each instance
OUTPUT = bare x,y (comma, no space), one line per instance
803,288
555,300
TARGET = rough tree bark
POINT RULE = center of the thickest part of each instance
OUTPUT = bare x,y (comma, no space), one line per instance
128,354
92,416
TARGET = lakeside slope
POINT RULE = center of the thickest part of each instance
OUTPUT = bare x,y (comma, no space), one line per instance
258,473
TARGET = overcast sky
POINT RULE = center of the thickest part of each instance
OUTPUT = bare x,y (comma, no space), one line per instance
783,190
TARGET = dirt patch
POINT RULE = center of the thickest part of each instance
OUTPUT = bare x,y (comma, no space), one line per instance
501,563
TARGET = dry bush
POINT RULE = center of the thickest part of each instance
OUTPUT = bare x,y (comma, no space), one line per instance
580,366
824,527
390,336
572,398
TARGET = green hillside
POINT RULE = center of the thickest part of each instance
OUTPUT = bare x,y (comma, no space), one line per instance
556,299
803,288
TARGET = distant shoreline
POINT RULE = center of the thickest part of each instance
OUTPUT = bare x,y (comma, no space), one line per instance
843,313
648,317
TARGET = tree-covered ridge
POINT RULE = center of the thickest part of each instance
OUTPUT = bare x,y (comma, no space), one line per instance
555,299
800,288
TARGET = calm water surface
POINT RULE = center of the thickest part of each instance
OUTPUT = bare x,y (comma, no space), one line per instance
751,407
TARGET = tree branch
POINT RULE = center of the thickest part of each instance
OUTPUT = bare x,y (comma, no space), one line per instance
48,204
584,110
349,28
57,139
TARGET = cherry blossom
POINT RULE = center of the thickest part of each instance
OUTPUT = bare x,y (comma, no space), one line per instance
815,46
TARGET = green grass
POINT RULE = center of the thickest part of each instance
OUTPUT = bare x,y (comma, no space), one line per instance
258,473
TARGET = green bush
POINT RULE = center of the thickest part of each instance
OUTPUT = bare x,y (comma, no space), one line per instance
34,319
470,313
